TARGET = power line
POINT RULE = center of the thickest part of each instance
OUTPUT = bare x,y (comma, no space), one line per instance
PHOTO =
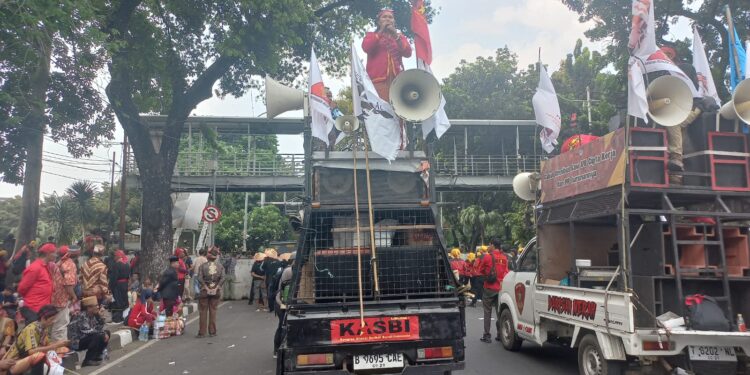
78,161
59,175
75,166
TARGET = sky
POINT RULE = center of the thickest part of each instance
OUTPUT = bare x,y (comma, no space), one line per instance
458,32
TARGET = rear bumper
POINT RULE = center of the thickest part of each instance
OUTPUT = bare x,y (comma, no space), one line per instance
409,369
679,340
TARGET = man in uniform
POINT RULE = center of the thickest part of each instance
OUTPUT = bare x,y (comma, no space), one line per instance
211,279
494,266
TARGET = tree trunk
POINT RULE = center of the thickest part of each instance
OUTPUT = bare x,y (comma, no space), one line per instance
34,124
156,223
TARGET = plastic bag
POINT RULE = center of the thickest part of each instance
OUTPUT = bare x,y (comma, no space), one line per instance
54,364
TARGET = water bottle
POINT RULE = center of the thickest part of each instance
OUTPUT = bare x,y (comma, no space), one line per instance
741,323
143,332
159,325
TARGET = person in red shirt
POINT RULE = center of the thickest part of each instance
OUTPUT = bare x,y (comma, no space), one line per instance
143,310
496,259
182,269
36,283
458,265
385,47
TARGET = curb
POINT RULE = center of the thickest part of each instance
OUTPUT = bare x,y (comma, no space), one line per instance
120,338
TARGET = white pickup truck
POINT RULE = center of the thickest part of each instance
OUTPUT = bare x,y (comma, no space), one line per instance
602,325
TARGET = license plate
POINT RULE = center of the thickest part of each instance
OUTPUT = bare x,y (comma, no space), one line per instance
712,353
377,361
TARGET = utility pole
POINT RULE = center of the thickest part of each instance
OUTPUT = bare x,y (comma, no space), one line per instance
732,42
112,197
588,105
244,227
123,192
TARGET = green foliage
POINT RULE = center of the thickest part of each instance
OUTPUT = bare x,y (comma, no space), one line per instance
266,224
82,194
34,34
9,219
612,20
61,212
519,219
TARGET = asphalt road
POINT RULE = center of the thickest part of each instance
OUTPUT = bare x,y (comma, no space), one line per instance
245,342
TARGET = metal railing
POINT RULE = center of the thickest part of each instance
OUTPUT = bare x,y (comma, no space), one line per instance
267,164
486,165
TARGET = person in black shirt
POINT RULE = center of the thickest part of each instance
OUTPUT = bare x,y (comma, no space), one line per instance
168,286
256,286
271,265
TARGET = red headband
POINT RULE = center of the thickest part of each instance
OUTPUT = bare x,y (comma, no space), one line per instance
383,11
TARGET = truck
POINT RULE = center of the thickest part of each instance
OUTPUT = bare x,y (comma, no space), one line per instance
621,250
372,290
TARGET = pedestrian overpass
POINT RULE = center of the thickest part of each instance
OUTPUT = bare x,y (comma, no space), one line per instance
456,168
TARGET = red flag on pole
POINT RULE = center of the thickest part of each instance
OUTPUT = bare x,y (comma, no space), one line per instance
421,31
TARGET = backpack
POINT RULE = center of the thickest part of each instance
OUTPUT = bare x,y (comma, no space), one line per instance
705,314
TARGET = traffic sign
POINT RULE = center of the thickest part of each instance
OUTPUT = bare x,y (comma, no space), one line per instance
211,214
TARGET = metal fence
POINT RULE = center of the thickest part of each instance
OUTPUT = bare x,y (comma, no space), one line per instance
486,165
267,164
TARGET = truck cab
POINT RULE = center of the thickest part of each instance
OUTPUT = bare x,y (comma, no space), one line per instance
372,290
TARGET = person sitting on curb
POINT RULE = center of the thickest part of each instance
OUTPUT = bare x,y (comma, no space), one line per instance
33,343
143,311
86,332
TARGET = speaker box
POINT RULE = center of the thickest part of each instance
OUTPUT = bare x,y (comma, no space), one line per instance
336,186
648,157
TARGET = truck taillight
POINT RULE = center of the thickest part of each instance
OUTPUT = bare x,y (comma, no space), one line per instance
657,345
435,353
315,359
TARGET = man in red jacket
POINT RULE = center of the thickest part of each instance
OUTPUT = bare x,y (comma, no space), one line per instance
385,47
495,259
36,282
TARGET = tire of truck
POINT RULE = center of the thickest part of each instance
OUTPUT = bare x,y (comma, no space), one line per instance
591,360
508,336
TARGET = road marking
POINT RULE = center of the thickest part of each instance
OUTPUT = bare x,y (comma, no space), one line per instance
136,351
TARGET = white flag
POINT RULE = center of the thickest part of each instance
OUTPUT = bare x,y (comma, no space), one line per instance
439,121
637,103
320,108
381,123
706,86
546,111
642,41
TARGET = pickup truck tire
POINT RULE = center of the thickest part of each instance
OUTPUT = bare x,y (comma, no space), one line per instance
508,335
591,360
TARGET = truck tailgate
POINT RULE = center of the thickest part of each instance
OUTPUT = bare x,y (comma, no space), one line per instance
585,306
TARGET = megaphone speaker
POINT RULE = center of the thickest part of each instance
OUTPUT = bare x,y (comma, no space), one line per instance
670,100
280,98
347,124
739,107
415,95
525,185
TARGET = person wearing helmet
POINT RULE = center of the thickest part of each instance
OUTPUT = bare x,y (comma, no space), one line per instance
458,265
471,271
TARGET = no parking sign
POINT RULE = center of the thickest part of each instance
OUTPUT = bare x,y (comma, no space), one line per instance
211,214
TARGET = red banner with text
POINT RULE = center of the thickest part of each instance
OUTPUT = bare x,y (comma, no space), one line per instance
593,166
387,328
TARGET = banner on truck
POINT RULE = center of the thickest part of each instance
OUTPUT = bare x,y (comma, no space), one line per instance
593,166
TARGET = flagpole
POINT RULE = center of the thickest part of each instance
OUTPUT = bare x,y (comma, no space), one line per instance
359,243
732,44
374,257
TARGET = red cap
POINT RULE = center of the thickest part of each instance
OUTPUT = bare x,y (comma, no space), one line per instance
63,250
179,251
47,248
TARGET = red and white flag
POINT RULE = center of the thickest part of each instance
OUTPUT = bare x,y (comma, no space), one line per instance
706,86
382,125
547,111
642,44
439,122
642,41
320,107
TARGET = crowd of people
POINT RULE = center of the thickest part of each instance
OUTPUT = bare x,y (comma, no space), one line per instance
484,271
61,299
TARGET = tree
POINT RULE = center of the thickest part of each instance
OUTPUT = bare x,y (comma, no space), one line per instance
265,224
612,22
82,194
48,63
60,213
168,56
9,209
